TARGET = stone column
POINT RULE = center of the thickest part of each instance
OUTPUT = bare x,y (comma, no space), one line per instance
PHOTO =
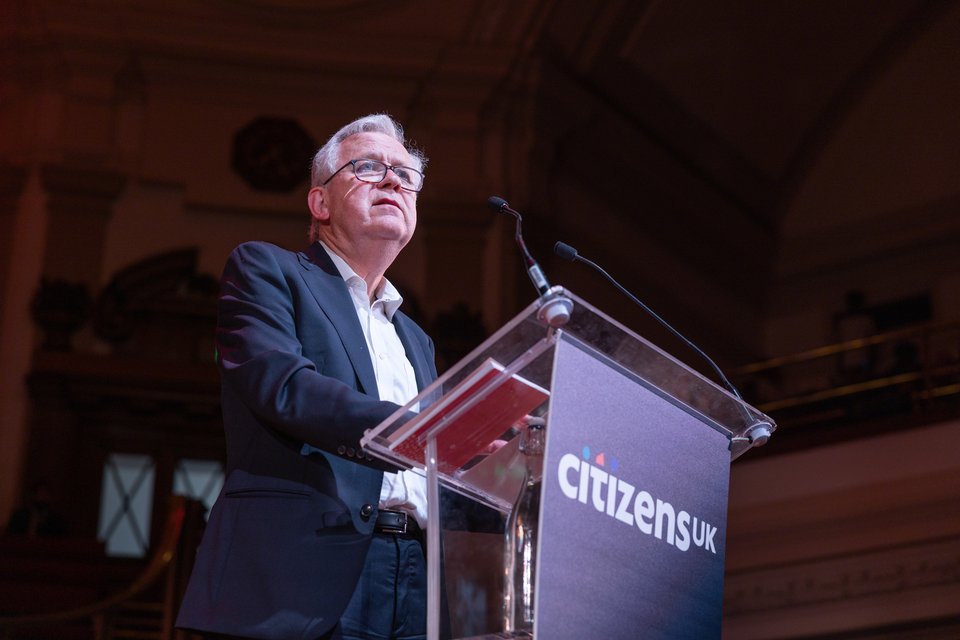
79,205
12,182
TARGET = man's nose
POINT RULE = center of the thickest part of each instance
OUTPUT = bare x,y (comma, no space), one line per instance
391,179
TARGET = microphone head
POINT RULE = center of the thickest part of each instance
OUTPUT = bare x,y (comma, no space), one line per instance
565,251
497,203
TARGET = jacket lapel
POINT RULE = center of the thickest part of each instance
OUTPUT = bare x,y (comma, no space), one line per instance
333,298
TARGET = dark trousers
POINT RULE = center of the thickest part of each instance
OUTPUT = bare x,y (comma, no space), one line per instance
390,601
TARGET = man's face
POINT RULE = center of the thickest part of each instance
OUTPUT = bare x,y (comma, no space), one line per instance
360,211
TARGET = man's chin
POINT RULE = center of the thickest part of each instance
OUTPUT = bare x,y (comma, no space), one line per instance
393,233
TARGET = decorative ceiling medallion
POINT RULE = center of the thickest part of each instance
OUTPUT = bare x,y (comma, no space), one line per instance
273,154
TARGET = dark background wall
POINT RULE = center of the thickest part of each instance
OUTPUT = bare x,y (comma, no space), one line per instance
740,165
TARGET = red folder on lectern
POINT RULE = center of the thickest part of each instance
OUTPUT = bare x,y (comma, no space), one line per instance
477,410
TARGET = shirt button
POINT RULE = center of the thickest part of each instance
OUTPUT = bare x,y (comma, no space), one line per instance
366,511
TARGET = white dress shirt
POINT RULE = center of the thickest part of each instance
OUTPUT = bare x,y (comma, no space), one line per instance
396,381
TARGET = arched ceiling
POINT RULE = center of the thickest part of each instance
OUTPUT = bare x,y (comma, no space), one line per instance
698,124
689,129
745,93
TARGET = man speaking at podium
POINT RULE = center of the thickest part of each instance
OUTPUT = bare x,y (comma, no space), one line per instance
309,537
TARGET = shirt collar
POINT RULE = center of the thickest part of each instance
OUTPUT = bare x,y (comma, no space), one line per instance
387,295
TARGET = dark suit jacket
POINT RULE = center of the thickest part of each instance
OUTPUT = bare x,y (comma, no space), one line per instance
287,538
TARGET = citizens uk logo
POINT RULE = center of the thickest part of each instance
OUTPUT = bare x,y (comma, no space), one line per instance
589,478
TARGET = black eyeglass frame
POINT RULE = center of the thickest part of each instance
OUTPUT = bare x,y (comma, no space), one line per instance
386,167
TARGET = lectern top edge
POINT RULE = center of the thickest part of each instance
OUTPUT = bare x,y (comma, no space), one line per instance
524,346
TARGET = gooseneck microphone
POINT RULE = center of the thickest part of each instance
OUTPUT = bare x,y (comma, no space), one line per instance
499,205
567,252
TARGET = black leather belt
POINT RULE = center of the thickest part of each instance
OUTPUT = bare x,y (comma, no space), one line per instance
397,523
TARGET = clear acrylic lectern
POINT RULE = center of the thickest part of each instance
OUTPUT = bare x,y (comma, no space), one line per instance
609,460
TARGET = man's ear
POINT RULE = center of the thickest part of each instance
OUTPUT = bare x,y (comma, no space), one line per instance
317,202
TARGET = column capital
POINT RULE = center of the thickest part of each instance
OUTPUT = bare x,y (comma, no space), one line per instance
79,206
13,178
91,185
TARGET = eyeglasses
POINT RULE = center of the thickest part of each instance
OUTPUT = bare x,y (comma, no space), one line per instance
375,171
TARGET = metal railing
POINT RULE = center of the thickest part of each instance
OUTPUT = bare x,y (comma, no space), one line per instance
917,365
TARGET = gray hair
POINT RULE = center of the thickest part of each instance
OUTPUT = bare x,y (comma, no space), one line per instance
326,158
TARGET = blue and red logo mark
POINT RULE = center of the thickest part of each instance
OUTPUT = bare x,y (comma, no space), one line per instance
600,459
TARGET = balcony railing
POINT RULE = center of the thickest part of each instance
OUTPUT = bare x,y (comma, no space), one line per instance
915,369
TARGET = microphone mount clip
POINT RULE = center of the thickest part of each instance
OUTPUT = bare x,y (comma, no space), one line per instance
555,308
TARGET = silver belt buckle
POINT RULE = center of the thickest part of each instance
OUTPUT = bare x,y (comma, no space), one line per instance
398,522
403,520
